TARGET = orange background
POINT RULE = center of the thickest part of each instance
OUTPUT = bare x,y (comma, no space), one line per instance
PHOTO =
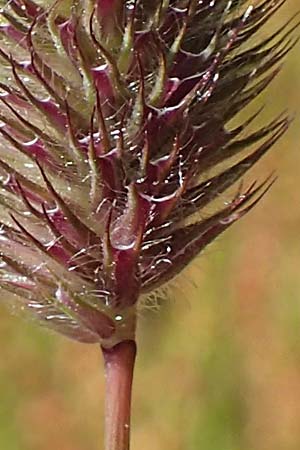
218,366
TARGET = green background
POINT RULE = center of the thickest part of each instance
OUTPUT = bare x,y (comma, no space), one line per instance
218,366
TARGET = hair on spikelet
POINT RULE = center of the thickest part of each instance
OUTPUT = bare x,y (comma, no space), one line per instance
117,148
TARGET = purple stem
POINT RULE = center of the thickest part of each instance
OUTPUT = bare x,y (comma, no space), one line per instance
119,366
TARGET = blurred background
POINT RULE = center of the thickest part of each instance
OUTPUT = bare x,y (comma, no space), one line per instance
218,366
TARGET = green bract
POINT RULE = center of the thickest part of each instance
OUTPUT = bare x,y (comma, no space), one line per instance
114,135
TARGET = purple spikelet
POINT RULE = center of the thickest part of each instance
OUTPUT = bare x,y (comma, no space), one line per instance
114,136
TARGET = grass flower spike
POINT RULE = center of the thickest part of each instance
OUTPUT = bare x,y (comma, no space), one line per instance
115,134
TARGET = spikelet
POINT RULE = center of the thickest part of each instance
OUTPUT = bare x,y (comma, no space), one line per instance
114,136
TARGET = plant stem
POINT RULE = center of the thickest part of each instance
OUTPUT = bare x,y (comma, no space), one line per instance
119,365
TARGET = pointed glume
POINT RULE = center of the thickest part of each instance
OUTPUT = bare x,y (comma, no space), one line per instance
115,137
